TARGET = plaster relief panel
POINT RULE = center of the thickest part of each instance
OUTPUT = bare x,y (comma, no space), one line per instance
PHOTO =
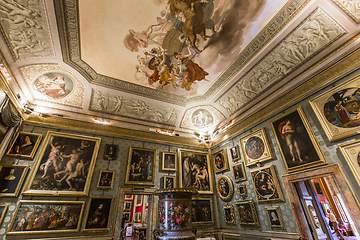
118,105
350,7
202,117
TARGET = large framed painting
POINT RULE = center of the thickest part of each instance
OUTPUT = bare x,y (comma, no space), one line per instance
106,179
297,143
225,188
3,209
239,172
247,213
351,152
220,161
110,152
338,110
11,179
24,145
202,211
274,217
98,214
141,166
266,185
64,165
36,217
169,182
235,154
195,171
229,215
169,161
256,148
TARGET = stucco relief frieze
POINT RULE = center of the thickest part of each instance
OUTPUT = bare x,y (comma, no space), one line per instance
118,105
350,7
316,32
201,117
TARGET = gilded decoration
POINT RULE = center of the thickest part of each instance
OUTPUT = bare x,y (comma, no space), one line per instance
350,7
202,118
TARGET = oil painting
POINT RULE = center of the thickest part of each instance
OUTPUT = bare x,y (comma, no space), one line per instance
351,153
54,85
111,151
202,211
169,161
225,188
127,206
140,167
106,179
235,154
11,179
24,145
220,161
239,172
3,209
274,217
247,213
169,182
229,215
242,191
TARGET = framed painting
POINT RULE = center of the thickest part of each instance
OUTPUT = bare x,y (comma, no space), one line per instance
225,188
239,172
140,167
64,165
229,215
127,206
297,143
169,181
127,216
11,179
69,220
242,191
169,162
195,171
220,161
351,153
274,217
106,179
3,209
247,213
256,148
111,151
202,211
318,189
139,217
129,197
266,185
139,200
24,145
98,214
235,153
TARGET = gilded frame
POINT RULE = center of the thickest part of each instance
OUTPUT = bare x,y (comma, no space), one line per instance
225,192
101,178
109,215
83,142
166,177
137,202
125,207
136,156
308,144
2,216
33,136
109,155
229,215
235,153
250,205
238,178
129,198
351,152
217,159
37,202
19,183
248,148
127,219
172,155
210,204
278,215
242,191
258,177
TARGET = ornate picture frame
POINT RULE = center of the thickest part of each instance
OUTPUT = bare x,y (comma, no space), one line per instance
106,179
295,137
24,145
11,179
225,188
351,153
127,206
247,213
242,191
138,200
169,181
202,211
220,161
3,209
235,153
111,151
169,161
229,215
127,217
255,148
141,166
274,217
47,179
129,197
239,172
266,185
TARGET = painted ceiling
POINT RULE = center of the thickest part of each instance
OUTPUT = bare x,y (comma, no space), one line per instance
168,65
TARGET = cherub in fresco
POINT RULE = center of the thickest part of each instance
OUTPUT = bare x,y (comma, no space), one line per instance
162,70
134,40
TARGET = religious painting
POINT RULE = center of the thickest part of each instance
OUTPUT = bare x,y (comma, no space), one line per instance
351,153
98,214
247,213
127,206
111,151
225,188
256,148
195,171
141,166
274,217
297,143
127,216
11,179
220,161
266,185
235,154
64,165
229,215
54,85
202,211
129,197
169,181
106,179
169,161
242,191
24,145
239,172
36,217
202,118
3,209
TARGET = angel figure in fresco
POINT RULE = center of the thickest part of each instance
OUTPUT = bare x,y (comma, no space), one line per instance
143,39
162,71
54,88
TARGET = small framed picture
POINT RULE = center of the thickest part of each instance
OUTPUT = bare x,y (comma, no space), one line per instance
169,161
242,190
127,206
106,179
225,188
126,216
138,201
24,145
98,215
318,188
11,179
111,151
274,217
234,152
139,217
3,209
169,181
129,197
239,172
220,160
247,213
202,211
229,215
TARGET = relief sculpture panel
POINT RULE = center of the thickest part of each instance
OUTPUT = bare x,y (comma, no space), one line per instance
351,7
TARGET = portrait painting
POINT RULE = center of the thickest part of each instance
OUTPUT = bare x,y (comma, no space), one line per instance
3,209
297,143
317,188
169,161
274,217
225,188
127,216
54,85
351,153
169,181
106,179
195,171
98,214
235,154
220,161
242,191
36,217
11,179
111,151
266,185
24,145
202,211
229,215
247,213
127,206
64,165
256,148
140,168
239,172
